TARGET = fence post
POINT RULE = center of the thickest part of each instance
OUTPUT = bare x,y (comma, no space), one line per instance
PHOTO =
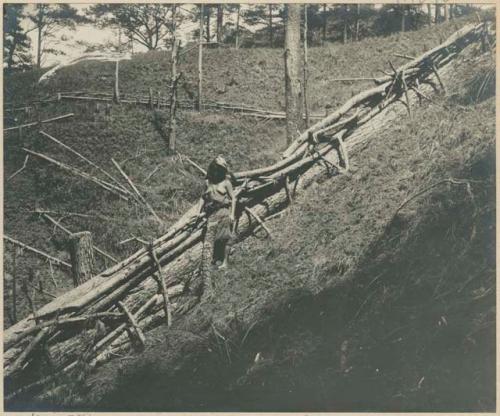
116,92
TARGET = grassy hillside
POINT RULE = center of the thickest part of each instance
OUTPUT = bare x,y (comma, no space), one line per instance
250,76
409,293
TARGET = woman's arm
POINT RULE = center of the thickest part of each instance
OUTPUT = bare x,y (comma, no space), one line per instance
230,192
201,202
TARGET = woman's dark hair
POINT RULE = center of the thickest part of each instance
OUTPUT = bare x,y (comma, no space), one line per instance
216,173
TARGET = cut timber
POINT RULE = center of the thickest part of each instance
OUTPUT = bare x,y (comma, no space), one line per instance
136,191
82,256
24,356
133,324
21,169
108,186
198,167
259,220
58,225
162,287
48,136
35,123
56,261
62,322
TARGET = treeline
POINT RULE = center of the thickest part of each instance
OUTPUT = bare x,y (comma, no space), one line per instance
339,22
236,25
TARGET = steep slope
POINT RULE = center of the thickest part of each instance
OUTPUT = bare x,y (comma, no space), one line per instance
251,76
349,271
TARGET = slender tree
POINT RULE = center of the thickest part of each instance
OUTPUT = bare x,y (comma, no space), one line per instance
268,15
15,40
358,9
237,36
324,17
437,14
293,72
148,24
271,29
402,10
220,22
207,14
47,18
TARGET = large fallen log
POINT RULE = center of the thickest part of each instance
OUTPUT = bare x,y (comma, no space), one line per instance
132,281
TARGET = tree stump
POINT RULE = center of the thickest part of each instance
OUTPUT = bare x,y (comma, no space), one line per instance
82,256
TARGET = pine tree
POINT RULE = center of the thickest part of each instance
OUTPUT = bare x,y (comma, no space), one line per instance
15,40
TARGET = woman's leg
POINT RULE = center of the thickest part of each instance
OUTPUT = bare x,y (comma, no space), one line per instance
225,249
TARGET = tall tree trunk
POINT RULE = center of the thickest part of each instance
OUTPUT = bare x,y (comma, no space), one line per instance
358,9
306,108
403,11
437,17
208,24
14,286
271,30
39,47
451,11
10,59
173,85
82,256
116,92
220,18
324,23
293,73
346,10
429,14
237,37
119,38
200,58
445,7
173,100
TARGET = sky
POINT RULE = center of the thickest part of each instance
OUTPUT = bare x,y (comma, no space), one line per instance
67,40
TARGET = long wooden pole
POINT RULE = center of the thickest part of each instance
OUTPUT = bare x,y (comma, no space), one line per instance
200,59
14,286
40,253
163,288
48,136
139,195
117,82
108,186
173,87
62,228
35,123
306,75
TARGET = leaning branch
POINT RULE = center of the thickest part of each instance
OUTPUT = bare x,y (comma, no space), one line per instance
49,120
40,253
136,191
65,146
449,180
61,227
108,186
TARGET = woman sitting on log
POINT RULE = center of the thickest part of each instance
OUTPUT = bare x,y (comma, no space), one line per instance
219,203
